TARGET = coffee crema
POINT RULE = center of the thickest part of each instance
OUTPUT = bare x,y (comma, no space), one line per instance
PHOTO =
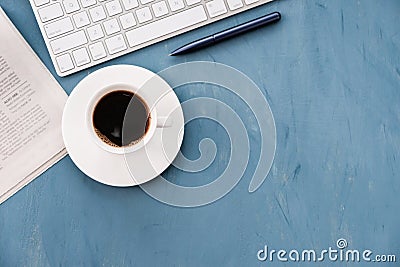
121,118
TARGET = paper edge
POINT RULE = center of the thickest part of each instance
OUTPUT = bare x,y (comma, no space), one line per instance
36,173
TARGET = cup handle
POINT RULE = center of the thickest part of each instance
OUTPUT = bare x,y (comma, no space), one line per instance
164,122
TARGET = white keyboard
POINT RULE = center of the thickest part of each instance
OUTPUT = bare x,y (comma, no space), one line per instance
83,33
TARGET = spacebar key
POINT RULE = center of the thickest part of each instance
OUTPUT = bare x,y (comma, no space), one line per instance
165,26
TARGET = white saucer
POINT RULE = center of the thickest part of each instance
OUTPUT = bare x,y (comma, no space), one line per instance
118,169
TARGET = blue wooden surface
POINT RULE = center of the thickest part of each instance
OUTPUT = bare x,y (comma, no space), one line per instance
331,73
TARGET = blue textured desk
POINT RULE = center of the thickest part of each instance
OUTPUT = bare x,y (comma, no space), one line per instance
331,73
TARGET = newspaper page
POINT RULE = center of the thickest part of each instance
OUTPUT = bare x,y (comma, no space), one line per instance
31,105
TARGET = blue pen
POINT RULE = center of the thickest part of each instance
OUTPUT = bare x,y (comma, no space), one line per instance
229,33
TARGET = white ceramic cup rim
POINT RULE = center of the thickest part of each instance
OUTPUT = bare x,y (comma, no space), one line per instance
125,149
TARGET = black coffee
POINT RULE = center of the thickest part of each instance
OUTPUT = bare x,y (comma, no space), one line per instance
121,118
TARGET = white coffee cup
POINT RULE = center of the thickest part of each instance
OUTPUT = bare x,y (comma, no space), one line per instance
155,121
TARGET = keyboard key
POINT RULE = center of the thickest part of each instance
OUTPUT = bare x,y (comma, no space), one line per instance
130,4
160,9
68,42
81,57
234,4
127,21
58,27
166,25
65,63
95,32
97,51
216,8
113,8
97,13
71,6
192,2
146,1
41,2
88,3
144,14
111,26
176,4
81,19
116,44
50,12
249,2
